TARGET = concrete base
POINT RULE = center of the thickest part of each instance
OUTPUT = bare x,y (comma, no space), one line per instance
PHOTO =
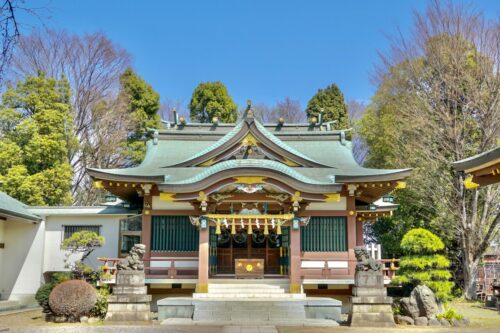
243,310
285,323
129,301
370,306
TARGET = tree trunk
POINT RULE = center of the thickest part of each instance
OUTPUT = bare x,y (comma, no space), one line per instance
470,275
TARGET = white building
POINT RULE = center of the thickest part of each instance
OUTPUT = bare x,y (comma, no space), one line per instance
31,238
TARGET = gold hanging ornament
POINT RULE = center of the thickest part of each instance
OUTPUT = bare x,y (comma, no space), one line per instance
266,228
249,226
233,227
217,229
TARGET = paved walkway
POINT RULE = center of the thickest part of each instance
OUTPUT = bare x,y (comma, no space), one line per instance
249,329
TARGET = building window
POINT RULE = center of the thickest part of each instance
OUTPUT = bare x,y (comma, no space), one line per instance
324,234
130,233
173,233
69,230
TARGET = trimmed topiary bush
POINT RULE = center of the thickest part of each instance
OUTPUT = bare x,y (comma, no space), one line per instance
43,293
72,299
422,265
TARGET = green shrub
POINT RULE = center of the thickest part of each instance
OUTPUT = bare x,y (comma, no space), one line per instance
396,309
42,296
60,277
72,299
421,241
101,306
449,314
422,265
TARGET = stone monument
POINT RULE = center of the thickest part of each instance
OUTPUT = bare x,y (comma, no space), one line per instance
370,304
130,301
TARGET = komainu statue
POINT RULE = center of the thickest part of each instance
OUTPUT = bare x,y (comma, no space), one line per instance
365,262
134,260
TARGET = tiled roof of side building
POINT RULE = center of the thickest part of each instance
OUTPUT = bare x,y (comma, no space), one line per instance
12,207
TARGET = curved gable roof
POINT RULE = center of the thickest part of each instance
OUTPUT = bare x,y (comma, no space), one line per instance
248,126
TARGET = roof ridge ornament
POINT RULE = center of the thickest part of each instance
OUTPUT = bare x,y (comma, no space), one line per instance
248,115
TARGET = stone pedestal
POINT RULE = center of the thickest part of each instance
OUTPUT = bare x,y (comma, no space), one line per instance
370,304
130,301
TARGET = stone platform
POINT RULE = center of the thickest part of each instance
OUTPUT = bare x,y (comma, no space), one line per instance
249,303
129,301
370,304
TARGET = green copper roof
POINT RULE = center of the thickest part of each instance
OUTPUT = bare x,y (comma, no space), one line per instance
280,143
166,161
249,163
218,143
13,207
477,160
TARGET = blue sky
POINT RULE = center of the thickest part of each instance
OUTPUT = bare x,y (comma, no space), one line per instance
262,50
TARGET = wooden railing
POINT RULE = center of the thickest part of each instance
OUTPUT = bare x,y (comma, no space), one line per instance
159,267
313,268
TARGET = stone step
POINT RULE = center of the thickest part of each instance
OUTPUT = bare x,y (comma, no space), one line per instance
244,327
246,285
245,291
248,315
247,295
10,305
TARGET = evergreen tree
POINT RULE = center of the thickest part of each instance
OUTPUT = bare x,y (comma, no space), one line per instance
422,265
36,140
331,100
143,104
211,99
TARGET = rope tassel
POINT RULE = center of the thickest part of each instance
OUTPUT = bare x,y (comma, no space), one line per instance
249,226
217,229
266,228
233,227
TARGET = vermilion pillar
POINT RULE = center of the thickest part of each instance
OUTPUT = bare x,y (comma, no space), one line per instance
295,278
351,232
203,257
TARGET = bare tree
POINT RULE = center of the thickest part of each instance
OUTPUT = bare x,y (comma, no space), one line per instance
288,109
93,64
9,32
356,110
447,96
10,29
167,109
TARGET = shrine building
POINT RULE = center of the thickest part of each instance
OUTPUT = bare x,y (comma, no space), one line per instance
249,200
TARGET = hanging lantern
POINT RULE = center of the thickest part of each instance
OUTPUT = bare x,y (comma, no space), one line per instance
217,229
266,229
278,229
233,227
249,226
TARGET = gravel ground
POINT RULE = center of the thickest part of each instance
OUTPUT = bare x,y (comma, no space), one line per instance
483,321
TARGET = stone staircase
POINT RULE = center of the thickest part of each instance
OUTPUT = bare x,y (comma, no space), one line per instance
249,302
249,311
253,301
248,291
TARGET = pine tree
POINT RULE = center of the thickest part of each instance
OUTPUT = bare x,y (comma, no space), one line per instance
331,101
36,140
211,99
422,265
